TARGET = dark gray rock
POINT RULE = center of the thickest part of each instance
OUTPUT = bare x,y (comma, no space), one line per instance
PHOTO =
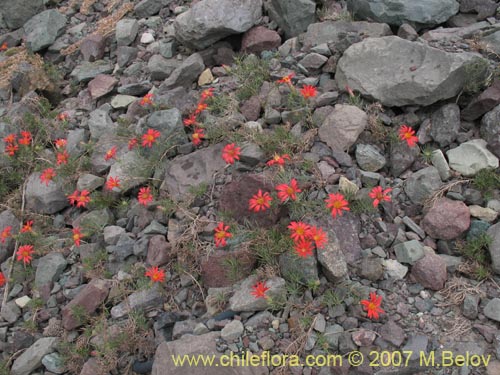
15,13
490,129
422,184
147,8
43,29
31,359
44,199
292,16
186,73
494,248
88,70
126,31
445,124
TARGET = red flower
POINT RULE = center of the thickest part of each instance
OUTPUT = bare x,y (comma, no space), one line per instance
378,195
145,196
60,143
308,91
286,192
221,233
26,138
5,234
80,199
278,159
407,134
28,227
230,153
4,47
11,149
150,137
146,100
110,154
205,94
287,79
155,274
47,176
112,183
318,236
200,108
304,248
2,277
62,157
349,91
337,203
77,236
63,116
197,136
24,253
300,230
132,143
259,290
372,306
11,138
191,120
260,202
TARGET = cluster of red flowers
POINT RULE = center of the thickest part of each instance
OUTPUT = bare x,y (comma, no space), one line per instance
80,199
307,91
24,253
192,120
12,142
305,237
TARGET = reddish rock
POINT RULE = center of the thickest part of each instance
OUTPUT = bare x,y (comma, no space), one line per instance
251,108
259,39
393,333
158,251
92,48
485,102
363,337
235,196
89,298
447,219
101,85
216,271
91,367
430,271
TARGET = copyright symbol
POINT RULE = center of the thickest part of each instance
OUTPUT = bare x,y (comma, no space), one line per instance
355,358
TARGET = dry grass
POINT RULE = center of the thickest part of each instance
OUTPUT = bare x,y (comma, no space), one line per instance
429,203
455,291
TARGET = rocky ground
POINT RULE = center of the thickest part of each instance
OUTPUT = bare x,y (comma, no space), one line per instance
86,78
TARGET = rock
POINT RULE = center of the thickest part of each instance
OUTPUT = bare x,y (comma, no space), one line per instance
470,157
124,55
397,12
126,31
292,16
54,363
490,129
205,77
336,32
407,32
369,158
259,39
147,38
312,62
232,331
445,124
242,299
31,359
129,170
409,252
193,346
394,269
251,154
91,367
160,68
298,269
158,251
135,89
251,108
371,269
439,161
215,272
10,312
148,8
122,101
43,29
484,8
49,268
209,21
44,199
88,70
186,73
422,184
447,219
392,333
16,13
485,102
364,337
470,306
342,127
492,309
87,300
402,157
93,47
430,271
112,233
101,85
100,123
197,168
494,248
401,63
141,300
483,213
413,227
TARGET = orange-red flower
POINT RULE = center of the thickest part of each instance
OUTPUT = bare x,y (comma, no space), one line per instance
155,274
230,153
191,120
197,136
259,290
372,306
47,175
146,100
287,79
132,143
112,183
221,233
25,139
145,196
150,137
110,154
25,253
200,108
4,47
79,198
11,149
337,203
407,134
5,234
2,279
308,91
318,236
286,192
205,94
62,157
60,143
11,138
300,230
278,159
378,195
304,248
260,201
28,227
77,236
63,116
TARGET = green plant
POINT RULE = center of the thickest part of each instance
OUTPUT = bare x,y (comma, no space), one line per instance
280,140
476,249
80,314
4,368
198,191
427,153
356,100
269,244
477,75
276,303
251,73
487,180
331,299
482,272
219,105
362,206
234,268
322,342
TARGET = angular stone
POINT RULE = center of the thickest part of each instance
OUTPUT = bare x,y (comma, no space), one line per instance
44,199
232,331
447,219
492,309
483,213
422,184
186,73
122,101
292,16
158,251
129,170
148,8
402,157
369,158
16,13
101,85
394,269
470,157
126,31
88,70
439,161
409,252
430,271
8,219
242,299
92,48
43,29
31,359
485,102
141,300
296,268
215,272
259,39
490,129
445,124
49,269
160,67
393,333
494,248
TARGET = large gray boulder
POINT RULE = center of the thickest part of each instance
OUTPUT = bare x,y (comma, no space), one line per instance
397,72
43,29
15,13
44,199
209,21
292,16
32,357
470,157
396,12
